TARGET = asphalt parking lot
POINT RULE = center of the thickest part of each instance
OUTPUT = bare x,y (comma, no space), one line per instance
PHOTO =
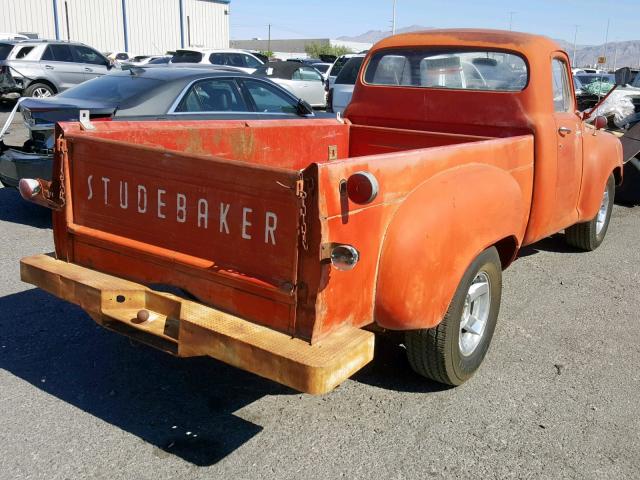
557,396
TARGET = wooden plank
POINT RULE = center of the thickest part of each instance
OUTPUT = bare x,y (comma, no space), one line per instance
202,330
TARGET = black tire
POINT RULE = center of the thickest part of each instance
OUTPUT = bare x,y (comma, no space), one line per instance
629,192
586,236
34,88
436,353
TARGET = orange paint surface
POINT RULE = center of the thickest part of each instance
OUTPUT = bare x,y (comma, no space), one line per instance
214,207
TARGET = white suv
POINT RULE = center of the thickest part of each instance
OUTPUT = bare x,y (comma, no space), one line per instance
239,59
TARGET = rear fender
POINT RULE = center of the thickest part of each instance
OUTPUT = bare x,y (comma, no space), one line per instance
435,235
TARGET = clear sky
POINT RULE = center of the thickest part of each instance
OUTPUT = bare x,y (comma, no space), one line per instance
333,18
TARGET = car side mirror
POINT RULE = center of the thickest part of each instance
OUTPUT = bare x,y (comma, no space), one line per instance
624,76
303,108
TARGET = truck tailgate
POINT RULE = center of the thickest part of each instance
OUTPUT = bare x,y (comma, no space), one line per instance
193,215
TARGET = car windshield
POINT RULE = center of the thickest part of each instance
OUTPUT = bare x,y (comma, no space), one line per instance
349,72
160,60
5,50
596,77
321,67
186,56
111,88
450,69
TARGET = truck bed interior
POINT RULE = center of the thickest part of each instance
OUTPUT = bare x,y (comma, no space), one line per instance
268,143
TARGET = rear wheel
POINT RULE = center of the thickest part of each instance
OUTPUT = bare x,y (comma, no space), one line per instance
589,235
39,90
451,352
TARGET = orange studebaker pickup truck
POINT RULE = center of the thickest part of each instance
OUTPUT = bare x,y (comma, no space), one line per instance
280,246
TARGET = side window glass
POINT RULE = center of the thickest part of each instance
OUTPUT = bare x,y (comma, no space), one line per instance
23,52
309,74
216,59
235,60
560,85
62,53
268,99
87,55
213,95
48,54
297,75
251,62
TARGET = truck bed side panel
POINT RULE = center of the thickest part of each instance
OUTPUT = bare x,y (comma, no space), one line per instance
349,296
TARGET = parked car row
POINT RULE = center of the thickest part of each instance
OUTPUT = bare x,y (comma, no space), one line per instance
145,94
42,68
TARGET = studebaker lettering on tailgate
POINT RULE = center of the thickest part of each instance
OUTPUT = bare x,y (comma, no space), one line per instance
186,209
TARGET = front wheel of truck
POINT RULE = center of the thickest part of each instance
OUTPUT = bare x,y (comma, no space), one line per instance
451,352
588,236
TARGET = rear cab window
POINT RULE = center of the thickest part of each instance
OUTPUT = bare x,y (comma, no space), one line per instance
186,56
448,69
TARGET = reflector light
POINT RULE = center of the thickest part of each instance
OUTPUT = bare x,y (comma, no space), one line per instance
29,188
344,257
362,187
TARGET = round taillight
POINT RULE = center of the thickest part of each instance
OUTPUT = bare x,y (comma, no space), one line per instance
29,188
362,187
600,122
344,257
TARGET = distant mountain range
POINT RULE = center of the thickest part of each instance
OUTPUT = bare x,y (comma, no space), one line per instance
619,54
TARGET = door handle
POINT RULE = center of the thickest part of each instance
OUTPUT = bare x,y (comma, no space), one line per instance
88,69
48,67
564,130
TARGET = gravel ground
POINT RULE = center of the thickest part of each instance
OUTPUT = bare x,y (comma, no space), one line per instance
557,396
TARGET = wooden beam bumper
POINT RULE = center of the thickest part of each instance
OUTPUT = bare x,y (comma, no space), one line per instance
187,328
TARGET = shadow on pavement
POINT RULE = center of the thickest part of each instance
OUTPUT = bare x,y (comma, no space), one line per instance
390,369
183,407
16,210
555,243
6,106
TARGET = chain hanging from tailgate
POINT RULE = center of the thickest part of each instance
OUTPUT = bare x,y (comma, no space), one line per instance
61,147
302,195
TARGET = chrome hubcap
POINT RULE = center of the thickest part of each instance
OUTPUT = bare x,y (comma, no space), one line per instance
602,213
475,314
41,93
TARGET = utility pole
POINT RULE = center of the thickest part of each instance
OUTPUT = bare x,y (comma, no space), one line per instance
575,39
511,14
606,40
393,20
269,40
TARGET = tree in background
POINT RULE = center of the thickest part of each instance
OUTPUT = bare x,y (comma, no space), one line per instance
314,50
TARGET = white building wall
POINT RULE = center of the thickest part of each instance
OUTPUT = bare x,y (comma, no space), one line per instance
96,23
153,26
18,16
206,24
